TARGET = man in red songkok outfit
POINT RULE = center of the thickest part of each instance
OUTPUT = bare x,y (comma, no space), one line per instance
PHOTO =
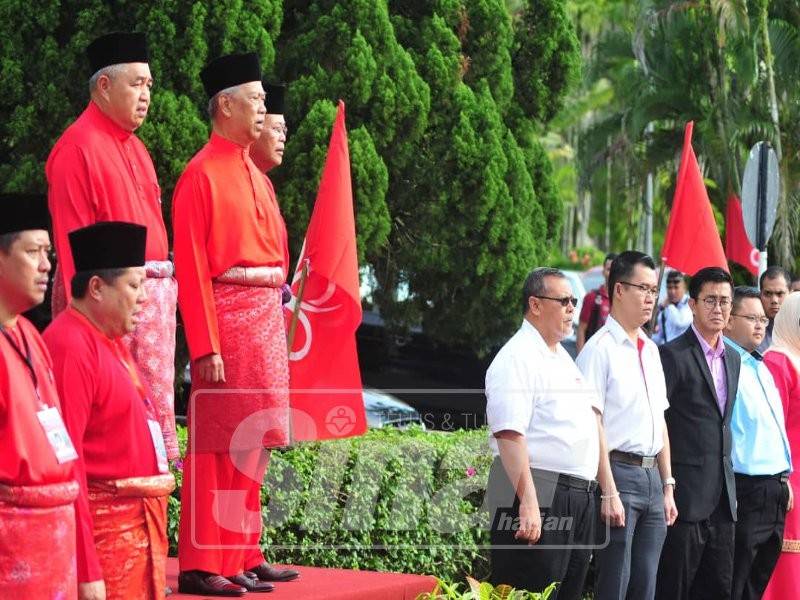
267,152
231,260
37,488
124,477
100,171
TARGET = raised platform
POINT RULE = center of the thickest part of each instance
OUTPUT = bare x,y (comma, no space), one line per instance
332,584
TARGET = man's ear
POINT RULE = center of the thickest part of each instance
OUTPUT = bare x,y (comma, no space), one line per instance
95,288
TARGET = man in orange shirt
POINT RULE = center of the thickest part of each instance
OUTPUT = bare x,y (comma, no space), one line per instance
121,510
231,259
37,486
99,170
267,151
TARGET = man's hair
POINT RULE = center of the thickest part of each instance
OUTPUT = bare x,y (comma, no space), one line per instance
535,284
213,103
742,292
609,256
674,276
7,240
80,281
622,268
708,275
774,272
111,71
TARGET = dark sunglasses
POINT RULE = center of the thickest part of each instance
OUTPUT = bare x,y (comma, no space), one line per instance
562,301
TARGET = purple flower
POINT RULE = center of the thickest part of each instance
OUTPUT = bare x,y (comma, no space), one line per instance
471,472
178,465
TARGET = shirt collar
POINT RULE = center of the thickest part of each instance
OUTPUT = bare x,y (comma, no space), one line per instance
536,337
103,121
717,352
742,352
618,333
226,146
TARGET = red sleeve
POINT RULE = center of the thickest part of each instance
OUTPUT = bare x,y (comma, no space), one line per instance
195,293
587,307
75,382
72,204
785,376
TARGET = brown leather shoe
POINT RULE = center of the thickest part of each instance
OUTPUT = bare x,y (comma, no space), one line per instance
207,584
264,572
252,584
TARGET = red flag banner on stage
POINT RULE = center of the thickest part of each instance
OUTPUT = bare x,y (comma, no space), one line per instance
326,393
692,241
737,246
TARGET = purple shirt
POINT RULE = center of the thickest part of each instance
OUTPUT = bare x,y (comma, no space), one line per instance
715,357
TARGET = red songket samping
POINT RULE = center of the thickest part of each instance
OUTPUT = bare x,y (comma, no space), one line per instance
226,215
98,171
37,490
122,506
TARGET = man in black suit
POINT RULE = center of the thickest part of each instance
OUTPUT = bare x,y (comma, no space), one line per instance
702,375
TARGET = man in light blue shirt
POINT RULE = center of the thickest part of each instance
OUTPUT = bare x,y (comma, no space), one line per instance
760,455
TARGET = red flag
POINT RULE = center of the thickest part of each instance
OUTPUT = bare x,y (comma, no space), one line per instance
737,246
692,241
326,396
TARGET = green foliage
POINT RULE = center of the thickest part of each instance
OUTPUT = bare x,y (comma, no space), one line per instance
446,100
484,591
391,500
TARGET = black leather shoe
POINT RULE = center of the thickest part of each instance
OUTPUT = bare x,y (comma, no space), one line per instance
264,572
252,584
207,584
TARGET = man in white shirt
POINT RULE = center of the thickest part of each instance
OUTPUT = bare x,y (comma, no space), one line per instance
635,475
674,315
545,441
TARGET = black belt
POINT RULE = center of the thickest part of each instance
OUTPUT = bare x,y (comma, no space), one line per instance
577,483
629,458
782,477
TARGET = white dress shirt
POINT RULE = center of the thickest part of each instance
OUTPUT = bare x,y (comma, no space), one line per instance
631,392
542,395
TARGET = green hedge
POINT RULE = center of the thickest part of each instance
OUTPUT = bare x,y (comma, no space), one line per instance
405,501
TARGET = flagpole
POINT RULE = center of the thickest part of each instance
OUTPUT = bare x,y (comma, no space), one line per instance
654,316
296,312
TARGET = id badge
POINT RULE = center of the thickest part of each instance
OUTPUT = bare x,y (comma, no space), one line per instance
158,444
57,434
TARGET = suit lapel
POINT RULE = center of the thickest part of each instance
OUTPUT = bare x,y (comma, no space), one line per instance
697,352
732,381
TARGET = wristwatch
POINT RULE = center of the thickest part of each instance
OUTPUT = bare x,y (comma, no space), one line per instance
669,481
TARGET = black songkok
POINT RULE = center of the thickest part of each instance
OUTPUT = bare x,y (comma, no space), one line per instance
21,212
275,98
230,70
108,245
116,48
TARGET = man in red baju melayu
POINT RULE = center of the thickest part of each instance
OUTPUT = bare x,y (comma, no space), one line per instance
231,260
37,486
99,170
122,469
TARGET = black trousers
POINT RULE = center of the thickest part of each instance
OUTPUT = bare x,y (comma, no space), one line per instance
568,534
759,533
697,558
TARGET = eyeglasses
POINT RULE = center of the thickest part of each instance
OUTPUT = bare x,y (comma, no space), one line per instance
562,301
644,289
712,301
753,319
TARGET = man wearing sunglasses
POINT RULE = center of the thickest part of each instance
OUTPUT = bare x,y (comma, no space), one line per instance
545,442
702,376
635,475
761,455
